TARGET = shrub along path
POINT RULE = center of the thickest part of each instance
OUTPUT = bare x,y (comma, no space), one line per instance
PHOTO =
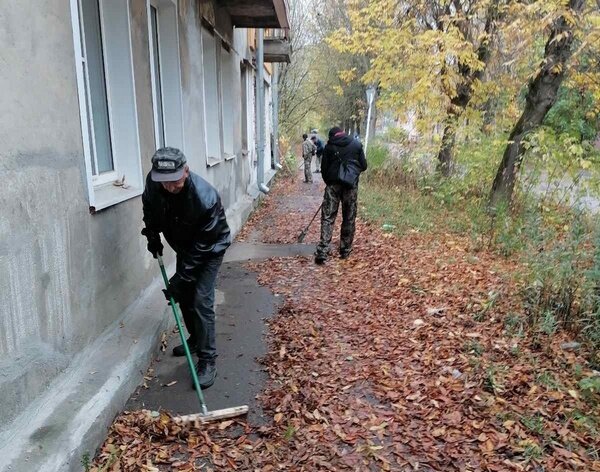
408,356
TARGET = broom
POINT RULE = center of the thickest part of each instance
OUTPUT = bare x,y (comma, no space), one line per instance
204,416
305,231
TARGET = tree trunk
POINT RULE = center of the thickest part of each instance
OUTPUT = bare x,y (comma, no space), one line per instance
464,92
444,165
489,115
373,124
541,95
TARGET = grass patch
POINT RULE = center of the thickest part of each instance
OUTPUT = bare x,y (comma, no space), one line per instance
534,423
377,154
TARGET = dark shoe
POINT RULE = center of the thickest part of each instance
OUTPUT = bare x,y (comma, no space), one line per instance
178,351
207,373
320,259
345,255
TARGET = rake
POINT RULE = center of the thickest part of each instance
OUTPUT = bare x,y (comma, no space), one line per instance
305,231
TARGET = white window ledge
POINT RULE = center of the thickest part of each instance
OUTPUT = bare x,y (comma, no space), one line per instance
108,195
229,157
212,161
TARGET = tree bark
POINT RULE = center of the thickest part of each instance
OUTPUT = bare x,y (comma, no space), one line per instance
464,92
541,95
444,165
373,124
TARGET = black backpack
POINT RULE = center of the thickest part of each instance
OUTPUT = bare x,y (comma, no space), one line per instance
348,171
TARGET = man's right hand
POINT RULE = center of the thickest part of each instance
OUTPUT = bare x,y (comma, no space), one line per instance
155,246
176,289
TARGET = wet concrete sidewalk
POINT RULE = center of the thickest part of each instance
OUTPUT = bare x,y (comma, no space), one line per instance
242,306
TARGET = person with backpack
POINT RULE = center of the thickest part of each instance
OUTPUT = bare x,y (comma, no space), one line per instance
319,155
343,162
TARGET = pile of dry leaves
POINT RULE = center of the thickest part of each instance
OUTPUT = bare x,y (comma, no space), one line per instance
406,357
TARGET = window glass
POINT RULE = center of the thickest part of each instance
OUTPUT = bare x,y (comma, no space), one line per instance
96,83
156,66
211,96
227,103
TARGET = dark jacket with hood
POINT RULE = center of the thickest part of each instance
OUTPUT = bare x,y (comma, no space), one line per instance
347,148
192,221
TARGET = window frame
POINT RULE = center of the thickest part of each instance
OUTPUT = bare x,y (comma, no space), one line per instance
156,82
210,159
173,128
109,176
226,98
100,191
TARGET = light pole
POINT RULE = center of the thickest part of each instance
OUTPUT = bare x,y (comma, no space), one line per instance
370,99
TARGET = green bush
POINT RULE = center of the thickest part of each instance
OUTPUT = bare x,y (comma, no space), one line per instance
377,155
394,135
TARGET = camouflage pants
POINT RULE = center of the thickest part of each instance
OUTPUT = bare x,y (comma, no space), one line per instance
318,163
307,174
334,194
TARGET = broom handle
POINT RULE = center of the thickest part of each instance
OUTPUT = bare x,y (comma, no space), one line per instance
313,218
186,348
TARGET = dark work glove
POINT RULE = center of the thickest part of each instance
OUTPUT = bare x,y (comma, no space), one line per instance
155,247
176,289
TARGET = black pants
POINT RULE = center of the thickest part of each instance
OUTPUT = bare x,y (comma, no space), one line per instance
198,309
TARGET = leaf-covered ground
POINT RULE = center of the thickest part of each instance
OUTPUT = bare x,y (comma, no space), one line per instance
408,356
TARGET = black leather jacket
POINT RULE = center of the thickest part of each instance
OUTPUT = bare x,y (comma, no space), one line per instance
348,149
193,222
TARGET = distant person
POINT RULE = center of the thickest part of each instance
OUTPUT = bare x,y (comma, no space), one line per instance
319,144
308,150
187,210
343,162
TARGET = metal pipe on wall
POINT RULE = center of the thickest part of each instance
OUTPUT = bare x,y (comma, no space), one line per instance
260,112
275,89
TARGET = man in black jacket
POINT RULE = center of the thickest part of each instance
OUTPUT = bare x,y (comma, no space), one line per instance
188,211
341,151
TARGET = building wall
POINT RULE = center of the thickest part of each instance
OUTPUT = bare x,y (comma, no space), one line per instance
67,275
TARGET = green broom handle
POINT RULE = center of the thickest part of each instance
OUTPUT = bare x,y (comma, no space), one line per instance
186,348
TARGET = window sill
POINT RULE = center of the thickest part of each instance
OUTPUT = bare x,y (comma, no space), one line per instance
108,195
212,161
229,157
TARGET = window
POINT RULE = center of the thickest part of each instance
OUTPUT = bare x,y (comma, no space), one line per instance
96,97
157,96
101,35
165,73
227,101
212,109
244,107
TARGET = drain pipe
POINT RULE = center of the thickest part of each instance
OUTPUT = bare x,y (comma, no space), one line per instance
275,89
260,113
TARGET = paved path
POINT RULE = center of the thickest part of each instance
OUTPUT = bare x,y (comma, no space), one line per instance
242,306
